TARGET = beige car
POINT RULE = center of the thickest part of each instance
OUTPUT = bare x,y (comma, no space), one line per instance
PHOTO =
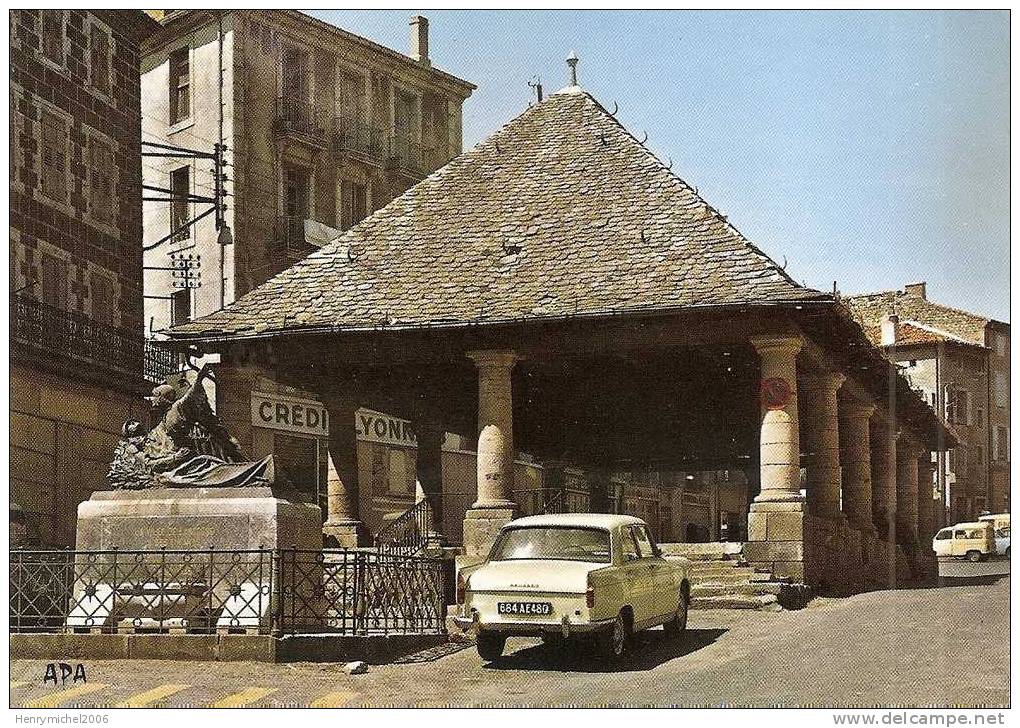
564,575
972,541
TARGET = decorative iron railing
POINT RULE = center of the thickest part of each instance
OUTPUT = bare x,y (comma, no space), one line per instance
354,136
266,591
294,116
160,363
72,335
409,532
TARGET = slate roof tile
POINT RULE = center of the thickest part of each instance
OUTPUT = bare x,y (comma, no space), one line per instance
601,226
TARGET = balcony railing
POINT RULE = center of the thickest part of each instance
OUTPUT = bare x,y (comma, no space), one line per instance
301,120
160,363
359,138
406,156
74,337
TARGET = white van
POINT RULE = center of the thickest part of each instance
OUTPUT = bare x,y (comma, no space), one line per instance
972,541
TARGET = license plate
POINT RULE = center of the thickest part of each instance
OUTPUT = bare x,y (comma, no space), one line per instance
523,608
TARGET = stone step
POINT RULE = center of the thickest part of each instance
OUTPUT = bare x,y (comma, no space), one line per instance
716,590
713,550
722,579
761,602
720,567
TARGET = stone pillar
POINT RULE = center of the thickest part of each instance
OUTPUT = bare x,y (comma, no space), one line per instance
907,454
883,476
821,438
343,526
855,456
775,524
494,505
429,472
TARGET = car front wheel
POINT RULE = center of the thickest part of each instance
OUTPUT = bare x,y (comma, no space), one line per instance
490,646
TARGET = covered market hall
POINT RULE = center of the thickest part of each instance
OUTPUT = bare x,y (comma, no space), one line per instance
559,291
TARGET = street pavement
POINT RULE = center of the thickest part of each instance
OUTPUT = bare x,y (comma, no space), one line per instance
946,646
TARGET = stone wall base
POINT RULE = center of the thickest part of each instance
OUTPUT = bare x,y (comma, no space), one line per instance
374,649
343,535
481,526
775,538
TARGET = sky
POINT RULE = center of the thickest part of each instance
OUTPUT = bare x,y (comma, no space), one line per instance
868,148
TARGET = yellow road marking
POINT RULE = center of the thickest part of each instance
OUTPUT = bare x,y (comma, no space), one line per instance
333,700
243,698
15,684
149,697
55,699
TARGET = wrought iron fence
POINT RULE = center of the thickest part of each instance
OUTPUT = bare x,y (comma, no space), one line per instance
409,532
74,335
265,591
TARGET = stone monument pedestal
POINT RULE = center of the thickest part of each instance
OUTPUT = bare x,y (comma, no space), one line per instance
197,518
481,526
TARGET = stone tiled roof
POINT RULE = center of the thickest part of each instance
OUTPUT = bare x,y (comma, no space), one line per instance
560,213
910,333
869,309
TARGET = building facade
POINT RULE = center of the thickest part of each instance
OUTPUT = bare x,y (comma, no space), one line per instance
959,361
77,351
321,128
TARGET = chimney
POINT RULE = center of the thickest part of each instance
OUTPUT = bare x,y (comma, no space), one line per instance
420,39
916,289
890,329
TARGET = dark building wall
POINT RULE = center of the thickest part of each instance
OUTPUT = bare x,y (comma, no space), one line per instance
75,254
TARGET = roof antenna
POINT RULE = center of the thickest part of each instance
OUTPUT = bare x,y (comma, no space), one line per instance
616,108
670,165
642,142
537,85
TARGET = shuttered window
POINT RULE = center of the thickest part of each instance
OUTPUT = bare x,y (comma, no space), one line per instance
102,168
180,188
103,299
53,283
54,156
52,32
99,59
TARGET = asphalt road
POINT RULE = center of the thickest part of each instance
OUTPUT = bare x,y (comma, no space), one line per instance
898,648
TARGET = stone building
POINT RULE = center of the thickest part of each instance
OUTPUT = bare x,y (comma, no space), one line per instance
557,290
76,265
321,128
959,361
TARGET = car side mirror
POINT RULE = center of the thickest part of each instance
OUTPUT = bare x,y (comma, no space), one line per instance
630,557
657,551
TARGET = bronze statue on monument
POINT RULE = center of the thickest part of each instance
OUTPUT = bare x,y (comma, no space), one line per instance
188,446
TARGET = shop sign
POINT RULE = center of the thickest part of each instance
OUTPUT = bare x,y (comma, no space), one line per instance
289,414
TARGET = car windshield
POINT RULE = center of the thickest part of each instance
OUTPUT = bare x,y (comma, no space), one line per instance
563,543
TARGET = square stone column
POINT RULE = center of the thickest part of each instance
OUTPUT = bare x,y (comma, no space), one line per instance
343,526
494,506
775,524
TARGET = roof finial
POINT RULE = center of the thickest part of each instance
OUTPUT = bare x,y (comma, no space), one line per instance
572,60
